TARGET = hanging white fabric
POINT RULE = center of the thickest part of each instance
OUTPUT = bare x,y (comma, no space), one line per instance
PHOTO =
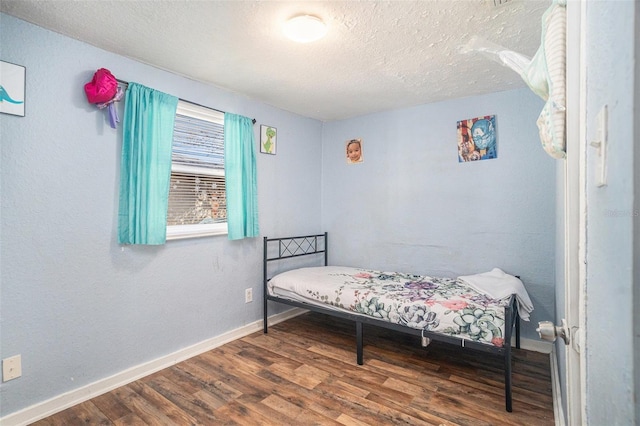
545,74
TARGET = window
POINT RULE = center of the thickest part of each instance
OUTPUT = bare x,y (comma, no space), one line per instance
197,196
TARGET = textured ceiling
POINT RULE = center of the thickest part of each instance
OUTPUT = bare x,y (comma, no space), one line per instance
377,55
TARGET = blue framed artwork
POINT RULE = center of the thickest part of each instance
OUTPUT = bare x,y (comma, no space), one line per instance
477,139
12,89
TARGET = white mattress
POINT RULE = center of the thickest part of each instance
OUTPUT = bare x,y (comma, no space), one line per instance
442,305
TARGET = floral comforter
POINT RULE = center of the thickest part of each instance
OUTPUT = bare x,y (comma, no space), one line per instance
443,305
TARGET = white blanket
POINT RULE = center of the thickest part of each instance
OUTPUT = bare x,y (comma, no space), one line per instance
498,284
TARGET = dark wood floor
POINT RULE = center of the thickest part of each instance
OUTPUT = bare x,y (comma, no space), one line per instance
304,372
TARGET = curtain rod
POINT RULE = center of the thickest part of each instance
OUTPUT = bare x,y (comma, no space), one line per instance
253,120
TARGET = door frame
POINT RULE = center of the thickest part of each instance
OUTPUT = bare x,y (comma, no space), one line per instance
575,211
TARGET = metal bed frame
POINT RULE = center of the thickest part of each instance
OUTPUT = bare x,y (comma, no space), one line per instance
308,245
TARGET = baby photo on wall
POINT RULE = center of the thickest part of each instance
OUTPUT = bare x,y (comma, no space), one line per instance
354,151
477,139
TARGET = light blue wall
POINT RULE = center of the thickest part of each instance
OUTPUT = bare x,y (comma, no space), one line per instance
77,306
412,207
611,218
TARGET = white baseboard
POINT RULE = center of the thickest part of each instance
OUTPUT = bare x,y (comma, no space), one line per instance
61,402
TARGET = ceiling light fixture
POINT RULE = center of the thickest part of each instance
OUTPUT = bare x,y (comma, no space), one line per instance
305,28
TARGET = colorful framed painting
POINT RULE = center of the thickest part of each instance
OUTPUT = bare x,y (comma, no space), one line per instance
477,139
268,139
12,90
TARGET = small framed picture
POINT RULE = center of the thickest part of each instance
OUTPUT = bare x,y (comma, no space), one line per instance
12,91
354,151
268,139
477,139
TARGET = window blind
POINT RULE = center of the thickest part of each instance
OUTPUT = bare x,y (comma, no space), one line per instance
198,138
197,193
196,199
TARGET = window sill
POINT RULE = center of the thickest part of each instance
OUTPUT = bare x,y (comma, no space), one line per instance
180,232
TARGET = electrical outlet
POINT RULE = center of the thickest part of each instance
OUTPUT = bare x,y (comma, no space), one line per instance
11,368
248,295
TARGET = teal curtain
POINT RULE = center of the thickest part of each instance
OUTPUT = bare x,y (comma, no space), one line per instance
240,177
145,168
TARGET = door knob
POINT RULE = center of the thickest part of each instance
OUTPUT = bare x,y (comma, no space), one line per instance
548,331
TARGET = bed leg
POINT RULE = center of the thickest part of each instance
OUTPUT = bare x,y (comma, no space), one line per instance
517,331
359,342
264,324
507,378
265,279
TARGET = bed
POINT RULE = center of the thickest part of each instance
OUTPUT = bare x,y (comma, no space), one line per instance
457,311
